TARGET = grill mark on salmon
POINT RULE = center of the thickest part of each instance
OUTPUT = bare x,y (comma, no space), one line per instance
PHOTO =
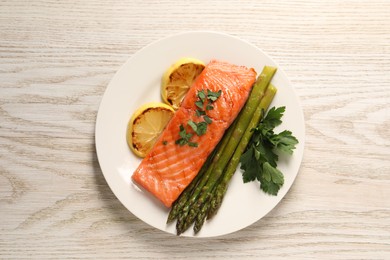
169,168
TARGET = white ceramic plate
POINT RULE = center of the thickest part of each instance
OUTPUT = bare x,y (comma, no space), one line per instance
138,82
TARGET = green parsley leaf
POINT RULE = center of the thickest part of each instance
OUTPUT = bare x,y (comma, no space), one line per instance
213,96
269,187
202,128
199,104
192,144
199,128
164,142
181,142
284,141
272,179
183,133
193,125
201,95
200,113
207,120
251,167
185,137
275,175
266,154
273,117
209,107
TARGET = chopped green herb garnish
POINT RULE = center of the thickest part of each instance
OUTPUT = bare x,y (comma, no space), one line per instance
209,107
181,142
185,137
207,119
212,96
200,113
192,144
199,104
164,142
193,125
199,128
202,95
183,133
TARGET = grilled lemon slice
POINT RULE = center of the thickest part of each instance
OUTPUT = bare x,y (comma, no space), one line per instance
146,125
178,79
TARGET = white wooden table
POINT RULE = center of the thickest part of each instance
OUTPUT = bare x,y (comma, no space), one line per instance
56,59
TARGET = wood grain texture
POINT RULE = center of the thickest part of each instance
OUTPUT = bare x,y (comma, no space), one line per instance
56,59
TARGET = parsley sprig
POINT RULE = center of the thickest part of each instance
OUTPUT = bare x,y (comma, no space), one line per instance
259,161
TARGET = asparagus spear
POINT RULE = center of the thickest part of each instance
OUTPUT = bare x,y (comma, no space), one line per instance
201,217
216,201
242,123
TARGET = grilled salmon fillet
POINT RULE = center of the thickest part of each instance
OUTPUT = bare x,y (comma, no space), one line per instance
169,167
